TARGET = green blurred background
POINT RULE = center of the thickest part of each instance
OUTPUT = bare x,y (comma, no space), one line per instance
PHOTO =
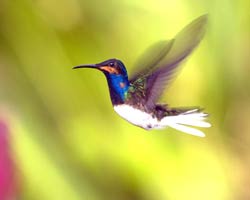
66,140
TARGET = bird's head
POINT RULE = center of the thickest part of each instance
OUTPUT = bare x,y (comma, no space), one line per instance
117,78
111,67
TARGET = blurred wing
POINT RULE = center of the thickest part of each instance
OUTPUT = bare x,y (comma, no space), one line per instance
184,43
151,58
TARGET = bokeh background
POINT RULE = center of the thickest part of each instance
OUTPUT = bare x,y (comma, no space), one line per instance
59,136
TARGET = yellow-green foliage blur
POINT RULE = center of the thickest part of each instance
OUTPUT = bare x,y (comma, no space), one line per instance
65,140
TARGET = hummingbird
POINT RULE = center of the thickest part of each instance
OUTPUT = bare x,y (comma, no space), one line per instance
135,98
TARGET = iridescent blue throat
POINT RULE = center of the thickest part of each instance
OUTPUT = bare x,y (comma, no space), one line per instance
118,87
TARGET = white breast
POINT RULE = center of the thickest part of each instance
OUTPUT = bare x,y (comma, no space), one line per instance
137,117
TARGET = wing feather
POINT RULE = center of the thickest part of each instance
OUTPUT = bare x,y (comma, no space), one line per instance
159,72
151,59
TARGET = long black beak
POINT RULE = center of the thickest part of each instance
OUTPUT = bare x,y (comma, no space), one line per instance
87,66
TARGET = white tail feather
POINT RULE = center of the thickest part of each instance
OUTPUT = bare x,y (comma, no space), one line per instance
189,130
190,118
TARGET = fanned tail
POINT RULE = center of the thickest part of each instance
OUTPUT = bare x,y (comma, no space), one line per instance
183,121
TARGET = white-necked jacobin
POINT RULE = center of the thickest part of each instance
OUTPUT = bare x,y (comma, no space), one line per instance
135,99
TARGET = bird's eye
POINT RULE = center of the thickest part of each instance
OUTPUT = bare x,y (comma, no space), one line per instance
111,64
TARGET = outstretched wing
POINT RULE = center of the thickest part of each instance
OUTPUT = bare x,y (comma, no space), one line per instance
151,58
157,75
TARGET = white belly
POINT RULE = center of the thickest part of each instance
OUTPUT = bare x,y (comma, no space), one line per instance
137,117
181,122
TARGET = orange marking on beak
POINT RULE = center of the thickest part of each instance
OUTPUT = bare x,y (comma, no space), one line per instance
109,69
